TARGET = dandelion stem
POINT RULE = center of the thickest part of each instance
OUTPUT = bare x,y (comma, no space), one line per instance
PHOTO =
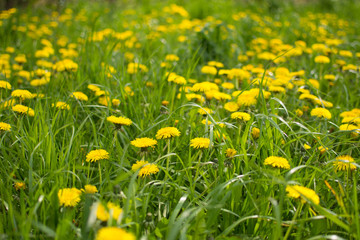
167,163
88,174
100,176
239,135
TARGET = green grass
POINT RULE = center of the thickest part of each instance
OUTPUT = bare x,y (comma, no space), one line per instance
197,194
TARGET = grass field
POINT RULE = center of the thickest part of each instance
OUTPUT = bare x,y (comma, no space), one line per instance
180,120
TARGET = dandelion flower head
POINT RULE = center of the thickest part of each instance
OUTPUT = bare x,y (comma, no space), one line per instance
205,111
296,191
255,132
148,169
114,233
138,164
19,185
321,113
230,152
103,213
61,106
143,142
91,189
5,85
69,197
200,143
231,106
96,155
167,132
80,96
119,121
344,162
5,126
22,94
277,162
21,109
241,116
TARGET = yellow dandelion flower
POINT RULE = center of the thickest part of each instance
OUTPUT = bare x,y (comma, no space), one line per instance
299,113
133,68
167,132
171,58
344,162
277,162
209,70
69,197
5,85
228,85
119,121
93,88
230,152
246,99
19,185
101,93
255,132
65,65
165,103
204,121
115,102
149,84
350,127
304,193
21,58
21,109
277,89
303,90
96,155
112,209
216,64
221,96
8,103
323,103
143,142
329,77
314,83
113,233
22,94
39,82
355,120
129,91
199,143
307,147
322,149
105,101
5,126
138,165
90,189
80,96
322,59
307,96
38,95
321,113
241,116
148,169
231,106
205,111
61,106
205,87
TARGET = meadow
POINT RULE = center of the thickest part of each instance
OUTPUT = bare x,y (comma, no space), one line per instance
180,120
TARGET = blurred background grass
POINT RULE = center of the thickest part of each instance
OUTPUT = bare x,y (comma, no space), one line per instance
345,6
